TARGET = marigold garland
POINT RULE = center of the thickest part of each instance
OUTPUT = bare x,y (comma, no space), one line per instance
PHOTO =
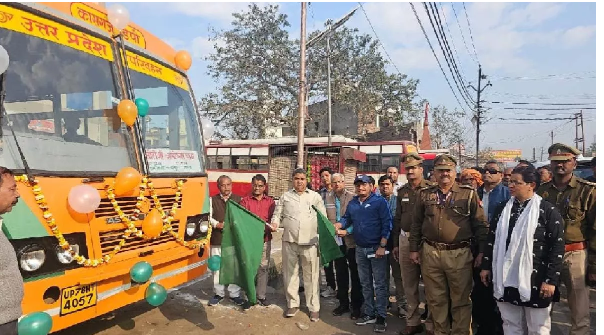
131,228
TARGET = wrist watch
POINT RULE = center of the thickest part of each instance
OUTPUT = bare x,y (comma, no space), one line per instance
382,245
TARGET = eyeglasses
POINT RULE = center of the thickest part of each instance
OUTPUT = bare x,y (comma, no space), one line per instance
492,171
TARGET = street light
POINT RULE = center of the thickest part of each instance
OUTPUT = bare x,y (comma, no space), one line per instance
326,34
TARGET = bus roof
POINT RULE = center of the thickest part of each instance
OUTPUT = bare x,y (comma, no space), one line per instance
92,15
336,140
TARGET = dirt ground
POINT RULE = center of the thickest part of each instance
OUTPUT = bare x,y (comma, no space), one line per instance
186,312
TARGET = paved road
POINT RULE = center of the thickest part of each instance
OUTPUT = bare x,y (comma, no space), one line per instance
186,312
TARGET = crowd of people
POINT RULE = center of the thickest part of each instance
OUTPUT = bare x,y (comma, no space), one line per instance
492,246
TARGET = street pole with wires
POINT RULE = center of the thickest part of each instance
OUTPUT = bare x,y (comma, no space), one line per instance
327,34
478,115
302,95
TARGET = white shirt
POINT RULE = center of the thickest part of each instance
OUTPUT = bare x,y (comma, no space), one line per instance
485,202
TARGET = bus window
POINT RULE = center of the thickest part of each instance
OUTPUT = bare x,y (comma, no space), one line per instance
59,105
373,164
170,127
390,160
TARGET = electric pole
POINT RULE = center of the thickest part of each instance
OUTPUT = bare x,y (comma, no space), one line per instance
552,135
534,157
478,114
302,95
581,131
331,27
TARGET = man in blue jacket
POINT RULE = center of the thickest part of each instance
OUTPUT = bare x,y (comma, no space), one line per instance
370,215
484,308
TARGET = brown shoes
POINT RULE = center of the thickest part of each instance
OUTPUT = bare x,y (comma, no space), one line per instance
412,330
314,316
291,312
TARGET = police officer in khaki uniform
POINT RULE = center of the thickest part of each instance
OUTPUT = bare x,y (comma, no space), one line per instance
410,271
446,220
575,198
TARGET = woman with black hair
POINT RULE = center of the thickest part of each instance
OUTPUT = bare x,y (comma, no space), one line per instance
523,257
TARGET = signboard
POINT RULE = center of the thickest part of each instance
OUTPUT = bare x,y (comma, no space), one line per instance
172,161
506,155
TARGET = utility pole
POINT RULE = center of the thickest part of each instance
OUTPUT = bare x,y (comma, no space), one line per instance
541,159
552,135
534,157
331,27
582,133
302,95
478,115
581,139
459,150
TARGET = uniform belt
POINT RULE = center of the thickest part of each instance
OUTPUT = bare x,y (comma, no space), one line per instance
448,246
575,246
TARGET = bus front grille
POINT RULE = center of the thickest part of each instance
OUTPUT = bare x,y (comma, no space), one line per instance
110,239
128,204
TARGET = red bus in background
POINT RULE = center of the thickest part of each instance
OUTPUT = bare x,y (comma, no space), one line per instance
242,159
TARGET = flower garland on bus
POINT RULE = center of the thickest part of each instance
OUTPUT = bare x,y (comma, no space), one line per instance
131,228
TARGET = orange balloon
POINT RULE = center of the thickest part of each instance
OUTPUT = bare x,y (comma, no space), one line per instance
127,111
153,224
183,60
126,180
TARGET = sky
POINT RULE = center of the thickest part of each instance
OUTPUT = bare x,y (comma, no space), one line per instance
535,55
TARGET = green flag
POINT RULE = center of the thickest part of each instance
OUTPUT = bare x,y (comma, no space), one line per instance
328,248
242,244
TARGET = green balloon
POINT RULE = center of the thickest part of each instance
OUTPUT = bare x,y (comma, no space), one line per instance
155,294
38,323
141,272
214,263
143,106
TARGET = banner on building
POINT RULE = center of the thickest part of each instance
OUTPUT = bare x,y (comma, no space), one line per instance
506,155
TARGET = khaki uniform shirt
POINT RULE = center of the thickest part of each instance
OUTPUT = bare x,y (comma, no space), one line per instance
456,219
407,197
577,206
295,214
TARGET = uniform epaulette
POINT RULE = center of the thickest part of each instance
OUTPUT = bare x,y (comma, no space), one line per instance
585,182
466,186
426,188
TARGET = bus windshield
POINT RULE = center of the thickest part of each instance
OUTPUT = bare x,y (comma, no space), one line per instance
59,104
171,130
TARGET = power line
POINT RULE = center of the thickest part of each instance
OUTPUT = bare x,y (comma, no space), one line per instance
546,109
450,34
574,75
378,39
450,58
470,29
533,119
542,103
462,35
586,96
434,53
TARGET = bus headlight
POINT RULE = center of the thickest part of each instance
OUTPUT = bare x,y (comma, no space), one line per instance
64,256
191,228
31,258
203,227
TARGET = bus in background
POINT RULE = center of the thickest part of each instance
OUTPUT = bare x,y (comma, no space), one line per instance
429,156
69,71
242,159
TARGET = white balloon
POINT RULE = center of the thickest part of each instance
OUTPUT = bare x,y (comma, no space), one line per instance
208,129
118,16
4,59
84,199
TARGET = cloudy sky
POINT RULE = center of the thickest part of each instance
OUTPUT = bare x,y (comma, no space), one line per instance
538,53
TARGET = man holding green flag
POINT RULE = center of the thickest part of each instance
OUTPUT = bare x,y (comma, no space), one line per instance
302,227
242,246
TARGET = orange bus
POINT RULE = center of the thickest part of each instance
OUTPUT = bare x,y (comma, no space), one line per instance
69,70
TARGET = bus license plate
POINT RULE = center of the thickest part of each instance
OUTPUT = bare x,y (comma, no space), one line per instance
77,298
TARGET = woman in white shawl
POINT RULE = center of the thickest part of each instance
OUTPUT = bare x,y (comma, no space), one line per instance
524,256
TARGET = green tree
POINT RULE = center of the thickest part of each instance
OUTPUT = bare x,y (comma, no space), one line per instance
257,73
445,127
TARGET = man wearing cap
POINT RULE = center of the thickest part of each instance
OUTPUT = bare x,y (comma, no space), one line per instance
446,221
410,272
370,215
575,198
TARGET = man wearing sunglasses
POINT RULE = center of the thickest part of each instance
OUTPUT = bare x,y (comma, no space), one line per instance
575,198
484,307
